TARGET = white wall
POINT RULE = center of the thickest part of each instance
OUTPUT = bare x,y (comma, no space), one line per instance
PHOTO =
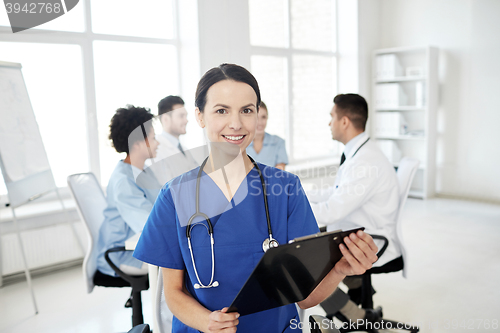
358,34
211,32
224,33
368,40
189,61
466,31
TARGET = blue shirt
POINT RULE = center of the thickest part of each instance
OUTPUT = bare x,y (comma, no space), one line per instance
129,205
239,229
273,151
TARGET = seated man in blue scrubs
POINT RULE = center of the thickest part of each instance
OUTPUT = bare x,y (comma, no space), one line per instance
129,201
266,148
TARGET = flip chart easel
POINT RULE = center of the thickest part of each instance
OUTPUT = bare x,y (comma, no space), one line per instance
23,160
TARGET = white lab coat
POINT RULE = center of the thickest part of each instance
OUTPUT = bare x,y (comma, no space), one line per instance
170,162
365,194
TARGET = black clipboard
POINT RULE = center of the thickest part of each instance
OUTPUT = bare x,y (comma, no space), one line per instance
289,273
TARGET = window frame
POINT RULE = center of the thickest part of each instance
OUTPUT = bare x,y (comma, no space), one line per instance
86,40
287,53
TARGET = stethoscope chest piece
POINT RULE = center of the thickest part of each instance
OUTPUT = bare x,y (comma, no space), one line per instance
269,243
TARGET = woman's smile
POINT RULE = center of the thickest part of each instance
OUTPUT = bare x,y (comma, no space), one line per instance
236,139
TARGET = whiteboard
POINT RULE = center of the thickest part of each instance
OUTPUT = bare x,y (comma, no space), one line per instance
25,166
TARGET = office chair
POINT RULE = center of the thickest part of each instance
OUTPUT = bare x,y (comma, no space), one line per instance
142,328
321,324
405,173
90,203
163,315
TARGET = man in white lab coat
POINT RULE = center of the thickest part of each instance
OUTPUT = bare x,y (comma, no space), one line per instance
172,159
365,194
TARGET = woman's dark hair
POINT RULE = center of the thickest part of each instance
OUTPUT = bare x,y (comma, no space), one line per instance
124,122
167,104
354,107
224,72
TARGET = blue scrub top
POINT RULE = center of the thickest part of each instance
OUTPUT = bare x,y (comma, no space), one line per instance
239,226
273,151
129,203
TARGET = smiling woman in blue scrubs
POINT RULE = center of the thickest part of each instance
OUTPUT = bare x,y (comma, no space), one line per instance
230,194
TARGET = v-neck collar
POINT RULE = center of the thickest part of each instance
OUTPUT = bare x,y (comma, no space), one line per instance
229,202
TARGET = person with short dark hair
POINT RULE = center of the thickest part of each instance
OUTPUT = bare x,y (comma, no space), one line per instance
206,260
267,148
170,103
173,159
354,107
366,194
129,201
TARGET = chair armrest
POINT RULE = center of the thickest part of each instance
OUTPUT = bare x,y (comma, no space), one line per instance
320,324
384,247
126,277
143,328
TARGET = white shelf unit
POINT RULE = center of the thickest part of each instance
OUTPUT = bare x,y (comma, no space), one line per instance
402,79
403,109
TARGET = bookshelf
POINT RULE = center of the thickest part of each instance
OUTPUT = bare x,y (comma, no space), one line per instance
404,107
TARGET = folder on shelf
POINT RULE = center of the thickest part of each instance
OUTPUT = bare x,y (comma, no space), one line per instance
419,94
389,95
388,67
390,124
289,273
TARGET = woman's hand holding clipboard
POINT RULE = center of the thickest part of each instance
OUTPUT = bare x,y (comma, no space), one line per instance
359,254
305,270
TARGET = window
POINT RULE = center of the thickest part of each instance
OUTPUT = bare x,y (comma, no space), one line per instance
82,66
79,69
147,18
271,73
72,21
268,23
120,80
294,59
54,79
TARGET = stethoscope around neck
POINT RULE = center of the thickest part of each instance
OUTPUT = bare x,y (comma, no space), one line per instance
266,245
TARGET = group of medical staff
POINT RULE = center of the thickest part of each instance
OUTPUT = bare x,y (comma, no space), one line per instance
207,228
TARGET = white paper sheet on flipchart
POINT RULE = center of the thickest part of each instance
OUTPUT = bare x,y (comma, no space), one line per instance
21,146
